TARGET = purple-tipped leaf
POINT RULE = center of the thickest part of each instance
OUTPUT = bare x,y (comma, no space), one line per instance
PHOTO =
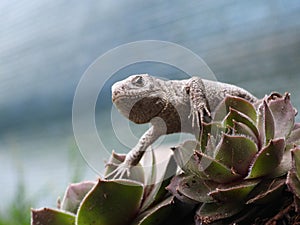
196,189
157,214
74,195
210,212
283,113
234,192
215,170
48,216
267,159
173,188
239,104
237,116
266,191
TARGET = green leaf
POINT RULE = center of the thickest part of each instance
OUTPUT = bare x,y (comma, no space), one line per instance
293,183
237,116
48,216
236,152
266,191
294,138
173,188
110,203
296,161
242,129
74,195
234,192
211,212
267,159
197,189
239,104
284,166
215,170
283,113
157,214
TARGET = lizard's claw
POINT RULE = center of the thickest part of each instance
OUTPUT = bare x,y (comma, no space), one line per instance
120,172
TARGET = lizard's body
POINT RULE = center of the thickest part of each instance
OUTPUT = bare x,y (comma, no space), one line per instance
181,104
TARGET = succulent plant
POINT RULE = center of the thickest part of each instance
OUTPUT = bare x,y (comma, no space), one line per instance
136,201
241,158
293,178
246,160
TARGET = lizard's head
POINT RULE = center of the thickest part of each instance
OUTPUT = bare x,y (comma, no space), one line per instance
138,97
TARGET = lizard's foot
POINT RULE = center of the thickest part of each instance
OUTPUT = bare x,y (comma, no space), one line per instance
120,172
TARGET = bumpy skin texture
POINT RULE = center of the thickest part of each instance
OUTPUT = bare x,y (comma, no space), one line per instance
170,106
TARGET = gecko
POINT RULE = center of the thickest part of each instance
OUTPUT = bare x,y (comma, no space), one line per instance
170,106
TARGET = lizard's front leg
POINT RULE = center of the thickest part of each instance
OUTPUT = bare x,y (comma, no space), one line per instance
199,104
135,155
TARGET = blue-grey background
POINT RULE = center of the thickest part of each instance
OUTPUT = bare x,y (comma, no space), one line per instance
45,47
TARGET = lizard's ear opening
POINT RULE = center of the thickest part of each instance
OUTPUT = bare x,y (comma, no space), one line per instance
187,90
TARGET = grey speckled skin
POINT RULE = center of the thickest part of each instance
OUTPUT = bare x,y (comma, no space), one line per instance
181,104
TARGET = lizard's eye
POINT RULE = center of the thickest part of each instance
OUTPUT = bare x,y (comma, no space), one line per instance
138,80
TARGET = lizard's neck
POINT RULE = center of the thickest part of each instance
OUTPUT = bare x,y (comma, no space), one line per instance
176,109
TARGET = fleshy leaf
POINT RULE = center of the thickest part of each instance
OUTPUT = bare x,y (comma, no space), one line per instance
237,103
267,159
110,203
239,117
48,216
234,192
158,188
265,123
157,214
183,155
243,130
173,188
294,138
266,191
284,166
74,195
210,212
197,189
293,183
236,152
296,161
283,113
215,170
213,129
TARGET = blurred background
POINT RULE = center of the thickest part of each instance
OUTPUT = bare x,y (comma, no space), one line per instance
46,46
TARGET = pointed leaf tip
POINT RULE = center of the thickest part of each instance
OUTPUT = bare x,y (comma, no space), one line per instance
48,216
283,113
111,203
267,159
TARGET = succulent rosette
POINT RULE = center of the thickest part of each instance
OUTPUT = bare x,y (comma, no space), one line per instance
241,158
139,200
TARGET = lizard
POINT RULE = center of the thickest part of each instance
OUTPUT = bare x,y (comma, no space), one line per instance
183,105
